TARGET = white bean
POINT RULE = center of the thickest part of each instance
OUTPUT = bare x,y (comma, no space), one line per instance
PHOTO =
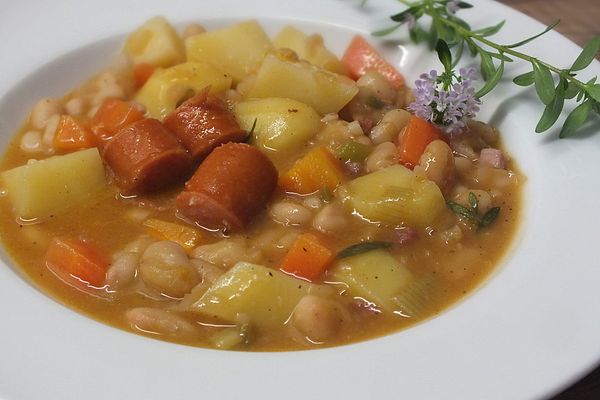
31,142
166,268
290,213
331,218
43,110
161,322
139,245
209,272
313,202
316,318
50,131
224,253
389,127
75,106
378,85
383,155
438,162
122,270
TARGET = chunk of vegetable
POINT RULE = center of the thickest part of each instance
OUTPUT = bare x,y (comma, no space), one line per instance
185,236
266,296
413,140
307,258
395,195
325,91
141,73
76,262
237,50
72,134
352,151
281,124
317,169
376,276
113,115
361,57
167,88
45,187
310,48
155,43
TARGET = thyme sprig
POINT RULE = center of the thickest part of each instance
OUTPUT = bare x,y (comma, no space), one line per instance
553,85
472,212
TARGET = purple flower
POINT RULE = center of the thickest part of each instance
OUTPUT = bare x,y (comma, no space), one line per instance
410,21
447,100
452,6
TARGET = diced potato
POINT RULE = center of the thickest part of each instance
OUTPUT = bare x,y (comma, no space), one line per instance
395,195
375,276
310,48
167,88
46,187
281,124
238,50
324,91
155,43
265,295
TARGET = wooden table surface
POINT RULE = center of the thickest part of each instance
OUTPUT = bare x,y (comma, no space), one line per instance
580,22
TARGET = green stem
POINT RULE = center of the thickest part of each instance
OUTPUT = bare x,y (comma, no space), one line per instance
565,74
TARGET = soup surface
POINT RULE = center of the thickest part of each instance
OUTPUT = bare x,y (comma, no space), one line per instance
231,190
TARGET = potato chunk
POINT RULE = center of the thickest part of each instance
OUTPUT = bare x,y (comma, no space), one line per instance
310,48
169,87
45,187
324,91
395,195
375,276
238,50
265,295
281,124
155,43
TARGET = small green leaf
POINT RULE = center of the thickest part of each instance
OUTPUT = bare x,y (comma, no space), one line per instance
544,84
462,211
444,55
587,55
463,4
473,200
525,79
386,31
433,34
401,17
487,65
418,34
458,53
490,30
501,56
492,82
489,217
473,49
325,194
362,248
553,109
577,117
523,42
572,90
594,92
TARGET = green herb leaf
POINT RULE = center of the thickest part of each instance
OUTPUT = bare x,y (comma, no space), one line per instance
462,211
487,65
544,84
587,55
401,17
572,90
490,84
386,31
463,4
473,49
460,47
553,109
433,34
489,217
473,200
594,92
444,55
523,42
525,79
325,194
363,247
577,117
490,30
501,56
418,34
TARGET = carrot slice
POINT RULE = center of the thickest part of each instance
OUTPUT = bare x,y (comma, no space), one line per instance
307,258
76,262
316,170
113,115
141,73
72,134
186,237
413,140
361,57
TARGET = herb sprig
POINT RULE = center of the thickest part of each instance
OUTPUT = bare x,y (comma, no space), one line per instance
472,213
553,85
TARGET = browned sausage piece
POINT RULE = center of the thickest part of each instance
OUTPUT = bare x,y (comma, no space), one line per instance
145,157
229,188
202,123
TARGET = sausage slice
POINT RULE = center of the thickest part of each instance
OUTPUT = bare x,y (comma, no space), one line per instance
202,123
230,187
145,157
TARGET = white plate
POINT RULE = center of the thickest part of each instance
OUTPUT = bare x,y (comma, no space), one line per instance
529,331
